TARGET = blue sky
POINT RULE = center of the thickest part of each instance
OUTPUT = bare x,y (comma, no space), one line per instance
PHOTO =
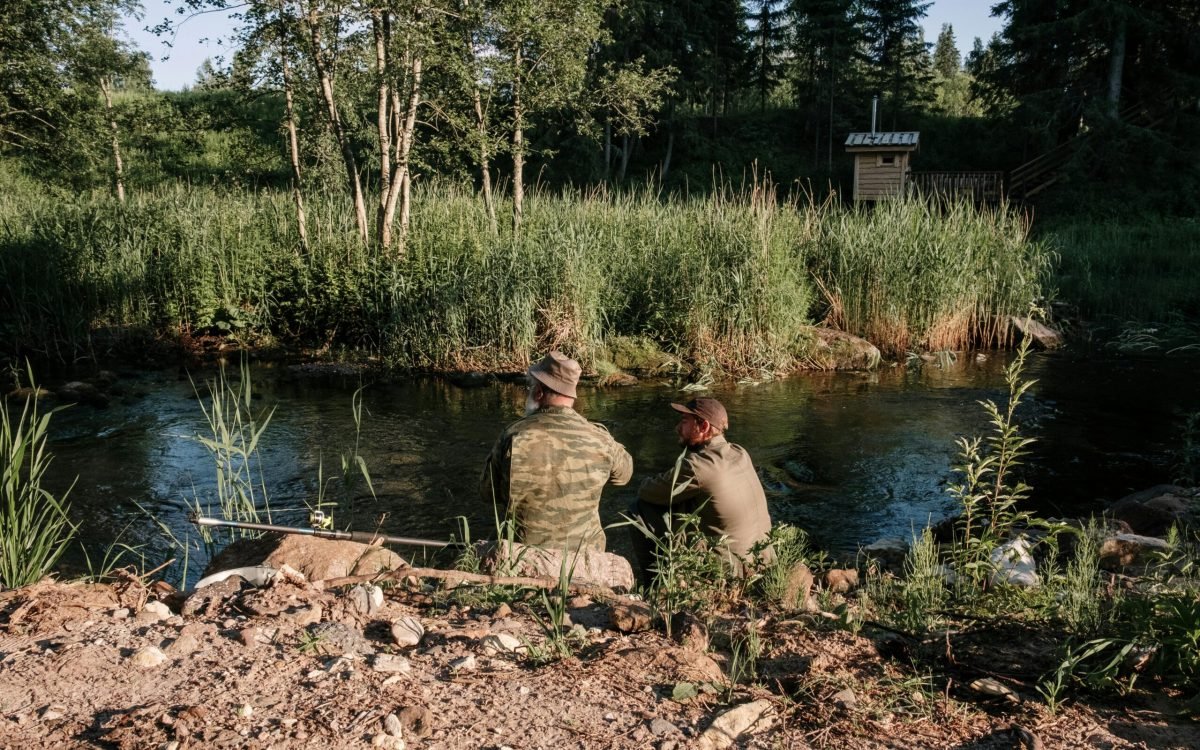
207,35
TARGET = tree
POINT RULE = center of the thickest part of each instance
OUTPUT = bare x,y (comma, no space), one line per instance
768,37
542,51
952,85
827,42
897,52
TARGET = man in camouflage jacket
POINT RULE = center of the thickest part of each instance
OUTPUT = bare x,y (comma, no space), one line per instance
548,469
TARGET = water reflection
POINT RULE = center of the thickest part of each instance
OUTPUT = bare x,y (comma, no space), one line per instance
850,457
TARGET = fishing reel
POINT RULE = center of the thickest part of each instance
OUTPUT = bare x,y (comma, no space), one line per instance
318,519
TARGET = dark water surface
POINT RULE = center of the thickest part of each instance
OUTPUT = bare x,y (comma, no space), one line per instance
849,457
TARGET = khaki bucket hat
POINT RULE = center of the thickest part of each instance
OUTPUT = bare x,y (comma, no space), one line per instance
558,372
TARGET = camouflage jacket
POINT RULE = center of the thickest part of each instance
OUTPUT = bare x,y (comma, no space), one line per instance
547,471
717,479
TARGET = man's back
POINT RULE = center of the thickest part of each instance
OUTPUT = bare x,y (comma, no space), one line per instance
548,469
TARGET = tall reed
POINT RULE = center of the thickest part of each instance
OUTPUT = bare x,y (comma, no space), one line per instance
726,281
34,524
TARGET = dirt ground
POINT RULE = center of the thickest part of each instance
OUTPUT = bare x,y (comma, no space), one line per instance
291,666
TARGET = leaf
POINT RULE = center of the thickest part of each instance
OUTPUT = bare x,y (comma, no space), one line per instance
684,691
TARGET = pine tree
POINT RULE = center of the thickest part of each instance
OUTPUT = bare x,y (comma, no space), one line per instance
767,34
897,53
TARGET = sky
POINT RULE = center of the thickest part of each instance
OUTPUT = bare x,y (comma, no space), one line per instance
204,36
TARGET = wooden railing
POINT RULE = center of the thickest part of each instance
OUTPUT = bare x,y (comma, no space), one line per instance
977,186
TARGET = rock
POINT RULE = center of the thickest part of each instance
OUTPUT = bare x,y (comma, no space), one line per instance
845,700
630,617
120,614
588,566
688,631
83,393
337,639
841,580
797,588
417,721
256,636
375,594
323,559
391,725
387,742
1125,549
618,379
662,728
1143,518
359,599
838,350
303,616
53,712
26,393
729,727
148,657
407,631
989,686
502,611
391,663
154,612
1015,564
185,644
1042,335
501,643
245,711
209,599
463,664
889,552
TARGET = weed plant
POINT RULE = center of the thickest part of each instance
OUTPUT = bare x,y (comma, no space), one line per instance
792,548
35,526
233,443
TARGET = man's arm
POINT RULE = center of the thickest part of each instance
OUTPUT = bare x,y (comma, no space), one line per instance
493,483
622,465
674,486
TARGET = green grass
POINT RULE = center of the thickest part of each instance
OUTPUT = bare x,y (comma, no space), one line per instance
727,282
1149,271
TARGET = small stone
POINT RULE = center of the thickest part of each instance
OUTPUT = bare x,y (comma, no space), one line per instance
249,636
610,716
53,713
148,657
153,612
631,617
501,643
417,721
120,614
374,598
523,690
172,745
391,663
185,644
502,611
289,722
846,699
662,727
841,580
391,725
668,745
726,729
464,664
407,631
246,711
360,599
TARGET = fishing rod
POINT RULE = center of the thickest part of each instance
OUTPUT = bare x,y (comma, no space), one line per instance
365,537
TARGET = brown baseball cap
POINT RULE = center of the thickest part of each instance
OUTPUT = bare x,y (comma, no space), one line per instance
708,409
558,372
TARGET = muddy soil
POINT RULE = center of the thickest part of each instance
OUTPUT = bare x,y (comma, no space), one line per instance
293,666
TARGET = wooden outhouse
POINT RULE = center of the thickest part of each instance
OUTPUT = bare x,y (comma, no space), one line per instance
881,163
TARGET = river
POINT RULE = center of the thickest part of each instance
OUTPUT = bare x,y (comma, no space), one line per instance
850,457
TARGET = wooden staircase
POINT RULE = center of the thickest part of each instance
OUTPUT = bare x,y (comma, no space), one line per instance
1042,171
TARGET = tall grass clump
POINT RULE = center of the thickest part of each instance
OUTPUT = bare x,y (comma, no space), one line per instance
34,525
1149,271
935,275
233,443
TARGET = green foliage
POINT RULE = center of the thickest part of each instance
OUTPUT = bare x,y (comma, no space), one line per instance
989,493
792,548
1080,597
922,590
235,432
1187,454
34,524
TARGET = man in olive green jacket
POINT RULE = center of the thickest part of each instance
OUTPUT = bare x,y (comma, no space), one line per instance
713,477
548,469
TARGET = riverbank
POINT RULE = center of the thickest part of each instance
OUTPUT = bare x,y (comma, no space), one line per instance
131,665
727,283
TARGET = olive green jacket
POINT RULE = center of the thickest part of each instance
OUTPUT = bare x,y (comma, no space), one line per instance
719,479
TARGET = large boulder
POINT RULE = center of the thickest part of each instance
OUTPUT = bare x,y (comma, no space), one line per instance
589,567
837,350
1122,550
1153,511
1042,335
322,559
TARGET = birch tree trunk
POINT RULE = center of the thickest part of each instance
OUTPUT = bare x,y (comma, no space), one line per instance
485,172
324,75
383,224
407,131
518,144
293,144
118,165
